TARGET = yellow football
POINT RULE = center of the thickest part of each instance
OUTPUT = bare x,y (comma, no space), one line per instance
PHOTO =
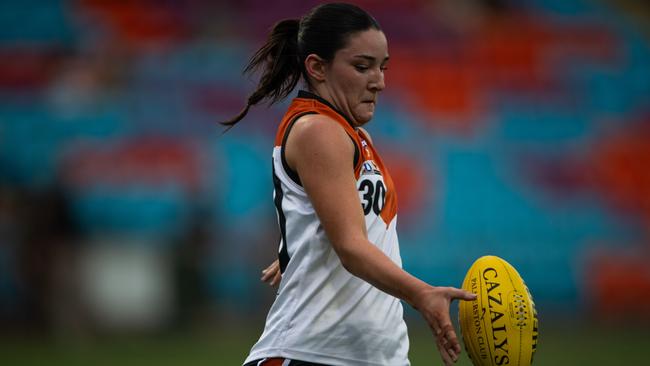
500,326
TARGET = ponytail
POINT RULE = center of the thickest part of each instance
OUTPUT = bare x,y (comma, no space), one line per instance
323,31
279,61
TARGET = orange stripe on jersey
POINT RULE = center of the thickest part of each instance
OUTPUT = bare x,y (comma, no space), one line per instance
306,105
390,204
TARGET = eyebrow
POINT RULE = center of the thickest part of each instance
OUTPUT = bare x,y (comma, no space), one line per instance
371,58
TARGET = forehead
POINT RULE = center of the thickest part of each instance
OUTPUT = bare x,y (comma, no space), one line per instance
369,42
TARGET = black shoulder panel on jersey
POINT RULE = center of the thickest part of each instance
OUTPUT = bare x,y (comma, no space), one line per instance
283,255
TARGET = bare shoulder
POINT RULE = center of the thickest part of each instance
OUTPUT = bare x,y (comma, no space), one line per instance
316,140
319,134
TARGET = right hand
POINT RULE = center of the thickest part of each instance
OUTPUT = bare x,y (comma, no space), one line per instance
272,274
434,305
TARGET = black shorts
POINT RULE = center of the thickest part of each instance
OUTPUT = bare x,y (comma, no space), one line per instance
278,361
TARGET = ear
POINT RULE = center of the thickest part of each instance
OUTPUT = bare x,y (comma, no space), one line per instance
315,67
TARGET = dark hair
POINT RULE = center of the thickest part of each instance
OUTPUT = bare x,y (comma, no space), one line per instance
322,31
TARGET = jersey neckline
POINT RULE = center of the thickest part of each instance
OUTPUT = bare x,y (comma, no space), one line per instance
304,94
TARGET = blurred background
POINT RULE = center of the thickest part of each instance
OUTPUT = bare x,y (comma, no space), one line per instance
132,231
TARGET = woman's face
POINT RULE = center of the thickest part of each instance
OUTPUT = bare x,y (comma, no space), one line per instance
354,78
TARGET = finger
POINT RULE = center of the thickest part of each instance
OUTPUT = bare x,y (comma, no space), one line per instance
266,275
448,333
445,349
452,339
444,354
269,268
453,356
456,293
270,271
269,275
276,278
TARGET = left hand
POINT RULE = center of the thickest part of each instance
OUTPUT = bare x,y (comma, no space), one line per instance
434,305
272,274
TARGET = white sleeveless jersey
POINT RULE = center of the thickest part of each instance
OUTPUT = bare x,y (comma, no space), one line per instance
322,313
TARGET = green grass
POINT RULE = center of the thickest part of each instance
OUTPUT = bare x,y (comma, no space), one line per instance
557,346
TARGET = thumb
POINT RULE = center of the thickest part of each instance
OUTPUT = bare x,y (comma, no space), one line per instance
456,293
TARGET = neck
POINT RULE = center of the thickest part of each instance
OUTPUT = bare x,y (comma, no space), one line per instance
322,91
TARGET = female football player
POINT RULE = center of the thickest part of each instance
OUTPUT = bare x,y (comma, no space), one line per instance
338,301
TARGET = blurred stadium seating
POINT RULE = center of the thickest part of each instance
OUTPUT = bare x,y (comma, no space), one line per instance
514,128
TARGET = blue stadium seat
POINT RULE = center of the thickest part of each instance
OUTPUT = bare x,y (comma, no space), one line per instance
36,22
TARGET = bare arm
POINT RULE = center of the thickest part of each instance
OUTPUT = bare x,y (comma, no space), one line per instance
321,152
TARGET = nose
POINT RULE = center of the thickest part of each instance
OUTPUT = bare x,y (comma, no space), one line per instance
377,83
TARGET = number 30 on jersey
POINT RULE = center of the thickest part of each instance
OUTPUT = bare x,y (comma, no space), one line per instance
372,195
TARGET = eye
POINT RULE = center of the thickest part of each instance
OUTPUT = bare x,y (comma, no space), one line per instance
361,68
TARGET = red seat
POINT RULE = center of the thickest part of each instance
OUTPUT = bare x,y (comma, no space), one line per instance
148,161
619,285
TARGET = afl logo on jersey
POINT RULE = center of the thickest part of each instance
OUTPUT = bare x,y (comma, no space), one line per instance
369,167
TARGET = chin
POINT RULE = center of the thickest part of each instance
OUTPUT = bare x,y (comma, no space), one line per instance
362,120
